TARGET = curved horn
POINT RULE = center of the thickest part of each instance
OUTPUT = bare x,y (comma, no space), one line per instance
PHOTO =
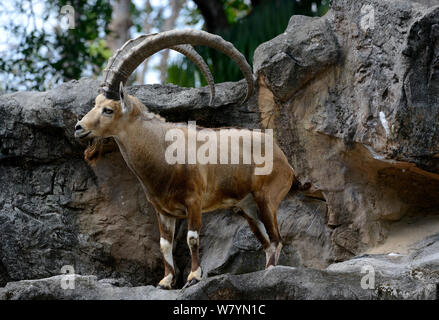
120,69
198,60
185,49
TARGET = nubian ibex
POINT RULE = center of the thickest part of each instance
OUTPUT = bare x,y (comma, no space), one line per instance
186,190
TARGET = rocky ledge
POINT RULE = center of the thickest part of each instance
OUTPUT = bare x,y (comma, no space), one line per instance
391,276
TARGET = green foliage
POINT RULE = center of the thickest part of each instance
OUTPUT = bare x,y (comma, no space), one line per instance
263,23
235,9
39,55
183,73
191,16
49,55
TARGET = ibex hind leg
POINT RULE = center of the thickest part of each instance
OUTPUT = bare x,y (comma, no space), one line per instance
248,208
271,245
268,216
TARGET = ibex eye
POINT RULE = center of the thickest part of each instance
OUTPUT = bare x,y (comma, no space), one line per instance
107,111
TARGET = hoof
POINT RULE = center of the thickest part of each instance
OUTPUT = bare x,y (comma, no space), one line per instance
167,282
190,283
159,286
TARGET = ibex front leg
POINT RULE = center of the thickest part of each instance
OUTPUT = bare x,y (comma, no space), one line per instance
193,240
167,228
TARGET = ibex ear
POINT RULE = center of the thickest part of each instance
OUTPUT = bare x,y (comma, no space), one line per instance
124,101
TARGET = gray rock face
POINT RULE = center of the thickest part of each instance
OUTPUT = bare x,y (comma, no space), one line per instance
428,3
414,276
79,287
59,211
353,99
421,263
56,210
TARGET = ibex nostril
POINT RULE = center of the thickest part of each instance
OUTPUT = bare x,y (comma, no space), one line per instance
78,127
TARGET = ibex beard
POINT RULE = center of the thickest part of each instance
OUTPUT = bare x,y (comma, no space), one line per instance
186,190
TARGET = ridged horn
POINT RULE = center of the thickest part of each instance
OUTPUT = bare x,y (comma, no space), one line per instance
185,49
135,51
198,60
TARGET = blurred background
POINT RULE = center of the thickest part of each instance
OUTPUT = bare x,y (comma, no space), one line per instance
43,43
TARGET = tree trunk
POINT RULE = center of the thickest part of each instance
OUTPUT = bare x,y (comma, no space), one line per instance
120,24
213,13
256,2
147,24
169,24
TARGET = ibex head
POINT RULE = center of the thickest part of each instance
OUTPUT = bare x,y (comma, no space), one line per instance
107,117
113,107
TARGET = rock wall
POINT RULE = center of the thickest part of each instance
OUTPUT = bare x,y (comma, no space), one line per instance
353,98
354,101
56,210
